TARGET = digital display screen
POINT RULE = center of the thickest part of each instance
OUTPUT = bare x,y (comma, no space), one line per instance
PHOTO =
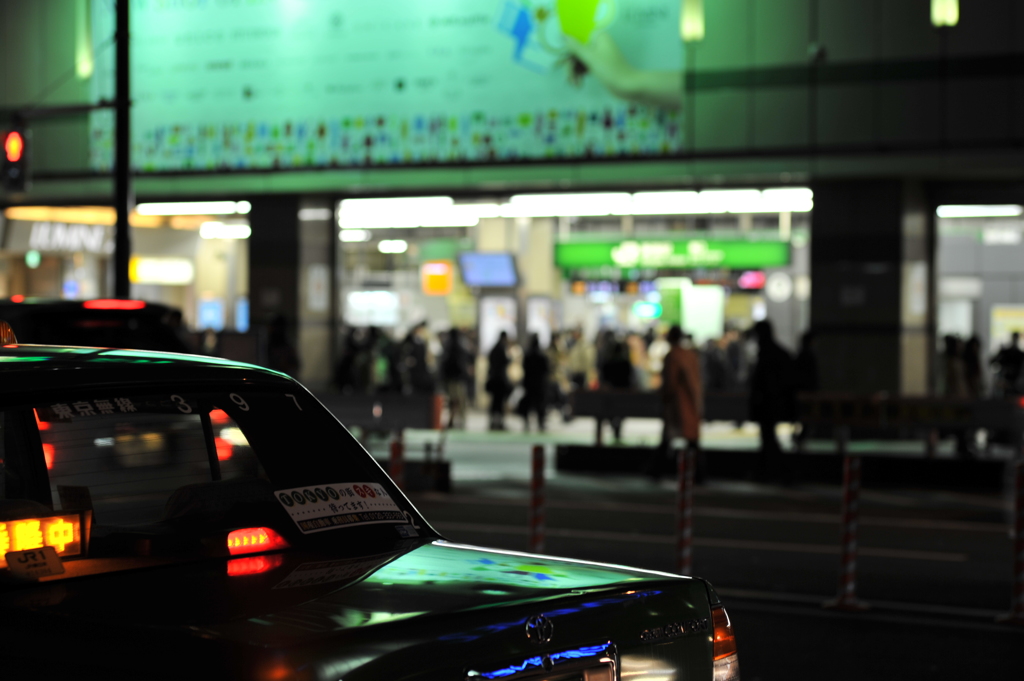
495,270
63,533
279,84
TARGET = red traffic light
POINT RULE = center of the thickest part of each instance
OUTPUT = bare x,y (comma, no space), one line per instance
14,146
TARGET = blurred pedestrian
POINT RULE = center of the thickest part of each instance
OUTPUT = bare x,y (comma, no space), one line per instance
418,361
953,369
638,357
682,399
715,366
498,385
1008,363
656,352
582,362
771,400
617,373
455,374
972,368
536,370
805,376
558,379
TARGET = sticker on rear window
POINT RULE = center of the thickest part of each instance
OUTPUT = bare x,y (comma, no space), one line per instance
326,507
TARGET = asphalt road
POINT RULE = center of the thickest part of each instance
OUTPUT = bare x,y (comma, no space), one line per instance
935,567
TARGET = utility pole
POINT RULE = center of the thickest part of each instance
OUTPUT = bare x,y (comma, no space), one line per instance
124,198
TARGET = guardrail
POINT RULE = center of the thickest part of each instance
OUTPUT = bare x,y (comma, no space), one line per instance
844,415
608,404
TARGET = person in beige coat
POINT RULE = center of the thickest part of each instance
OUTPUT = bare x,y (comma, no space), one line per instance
682,399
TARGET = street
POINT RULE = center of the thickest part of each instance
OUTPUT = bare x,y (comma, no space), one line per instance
934,566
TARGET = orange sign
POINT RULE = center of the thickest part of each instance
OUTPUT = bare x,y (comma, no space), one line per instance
437,277
63,533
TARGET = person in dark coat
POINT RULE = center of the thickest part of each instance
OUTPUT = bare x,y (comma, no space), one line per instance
771,399
1009,361
498,385
536,369
972,368
455,374
617,374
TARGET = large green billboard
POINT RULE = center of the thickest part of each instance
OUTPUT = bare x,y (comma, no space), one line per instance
275,84
672,253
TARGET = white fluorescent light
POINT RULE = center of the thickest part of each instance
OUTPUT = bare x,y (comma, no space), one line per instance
781,200
412,212
308,214
665,203
195,208
403,212
393,246
162,271
730,200
354,235
219,230
567,205
995,211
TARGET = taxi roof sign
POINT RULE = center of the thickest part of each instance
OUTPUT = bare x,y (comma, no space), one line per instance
7,336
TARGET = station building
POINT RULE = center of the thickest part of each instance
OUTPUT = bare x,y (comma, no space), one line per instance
852,168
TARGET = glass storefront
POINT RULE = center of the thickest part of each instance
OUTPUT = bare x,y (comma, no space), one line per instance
711,261
197,263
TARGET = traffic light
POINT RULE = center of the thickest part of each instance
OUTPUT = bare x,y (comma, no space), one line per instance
15,161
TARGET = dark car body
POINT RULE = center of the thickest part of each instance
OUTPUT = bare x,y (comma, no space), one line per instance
104,323
390,600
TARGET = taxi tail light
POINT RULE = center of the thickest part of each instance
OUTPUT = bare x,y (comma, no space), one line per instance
253,565
224,448
727,663
113,304
255,540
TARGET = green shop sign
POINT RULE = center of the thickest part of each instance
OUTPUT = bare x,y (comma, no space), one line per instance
673,254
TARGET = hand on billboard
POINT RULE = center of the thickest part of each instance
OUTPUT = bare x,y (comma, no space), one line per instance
602,57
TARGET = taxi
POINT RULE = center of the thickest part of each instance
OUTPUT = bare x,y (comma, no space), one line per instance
166,516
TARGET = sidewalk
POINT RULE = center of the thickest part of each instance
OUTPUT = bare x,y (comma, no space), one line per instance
642,432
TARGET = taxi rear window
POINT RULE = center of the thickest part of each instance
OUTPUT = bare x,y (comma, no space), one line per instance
147,467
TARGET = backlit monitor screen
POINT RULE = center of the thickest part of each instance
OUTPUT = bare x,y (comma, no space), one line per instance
488,270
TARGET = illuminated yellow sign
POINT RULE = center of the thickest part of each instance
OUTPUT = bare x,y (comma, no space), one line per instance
63,533
437,277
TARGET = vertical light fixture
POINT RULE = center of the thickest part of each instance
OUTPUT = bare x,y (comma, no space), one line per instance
945,13
84,63
691,21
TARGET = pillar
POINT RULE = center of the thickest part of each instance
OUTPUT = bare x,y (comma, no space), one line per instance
871,258
292,277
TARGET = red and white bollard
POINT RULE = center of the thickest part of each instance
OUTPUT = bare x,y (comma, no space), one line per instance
846,599
537,500
685,463
1016,615
396,464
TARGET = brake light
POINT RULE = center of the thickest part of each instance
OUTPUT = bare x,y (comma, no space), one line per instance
727,662
255,540
253,565
48,455
113,304
224,448
18,298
